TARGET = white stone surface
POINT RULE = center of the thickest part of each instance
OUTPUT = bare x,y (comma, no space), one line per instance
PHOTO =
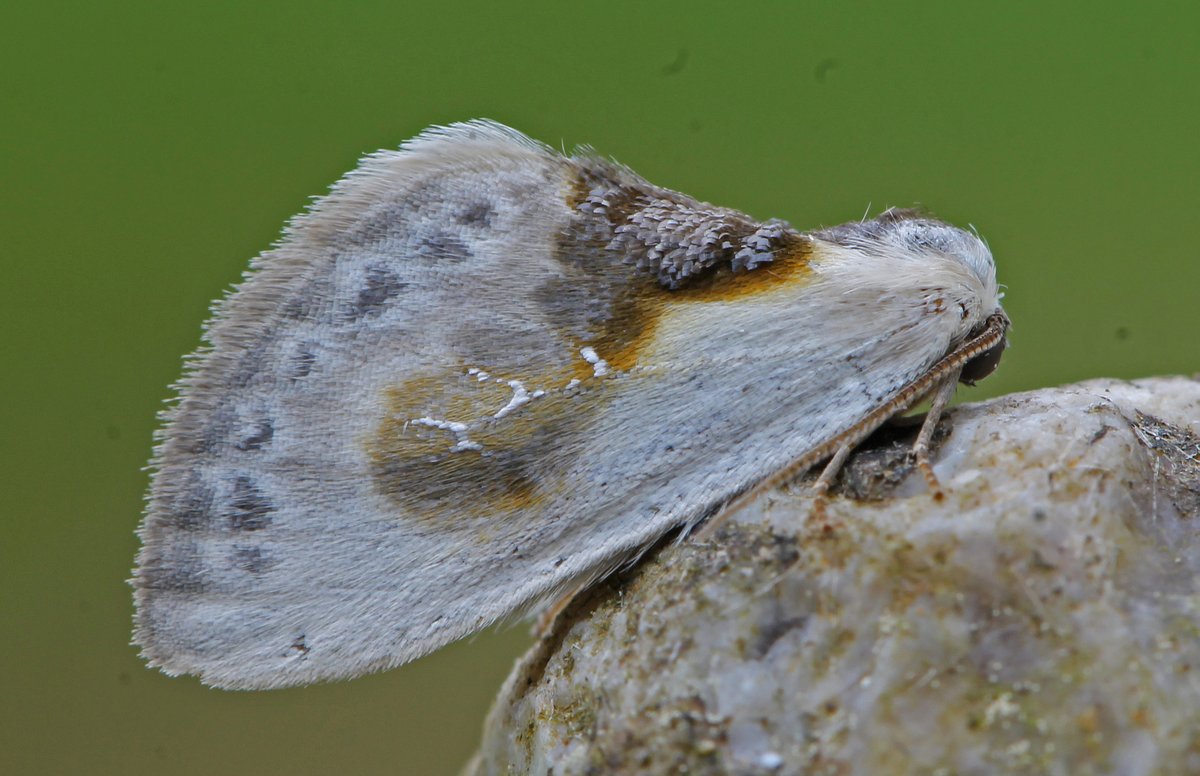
1044,617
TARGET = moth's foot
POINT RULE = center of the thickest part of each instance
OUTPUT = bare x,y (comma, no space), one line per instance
818,513
931,480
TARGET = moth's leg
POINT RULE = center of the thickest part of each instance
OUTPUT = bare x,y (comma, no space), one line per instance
825,481
941,398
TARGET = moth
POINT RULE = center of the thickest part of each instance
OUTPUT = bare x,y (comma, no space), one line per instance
480,373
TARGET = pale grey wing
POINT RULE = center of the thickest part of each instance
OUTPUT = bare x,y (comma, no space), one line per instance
479,372
271,555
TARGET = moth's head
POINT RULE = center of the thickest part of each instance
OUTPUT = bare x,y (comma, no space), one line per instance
921,233
931,259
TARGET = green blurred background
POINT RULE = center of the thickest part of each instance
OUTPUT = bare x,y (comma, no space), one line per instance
150,149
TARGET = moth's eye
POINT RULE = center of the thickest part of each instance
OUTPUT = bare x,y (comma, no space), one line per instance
984,364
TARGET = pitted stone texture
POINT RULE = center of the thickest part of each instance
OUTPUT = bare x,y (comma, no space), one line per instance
1043,618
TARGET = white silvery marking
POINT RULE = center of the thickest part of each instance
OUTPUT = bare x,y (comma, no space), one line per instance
459,430
520,396
599,365
295,533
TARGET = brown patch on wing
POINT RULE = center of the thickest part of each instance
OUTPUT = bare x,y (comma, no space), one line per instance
440,474
617,282
723,284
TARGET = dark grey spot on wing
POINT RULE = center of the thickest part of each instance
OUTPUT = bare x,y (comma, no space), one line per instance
178,568
302,361
312,300
251,559
259,436
296,308
441,247
249,369
591,305
191,508
479,214
212,433
396,220
249,509
378,226
382,285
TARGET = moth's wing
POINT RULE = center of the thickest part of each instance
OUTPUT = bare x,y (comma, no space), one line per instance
312,507
475,373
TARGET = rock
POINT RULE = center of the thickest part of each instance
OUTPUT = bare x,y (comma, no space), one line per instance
1044,617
